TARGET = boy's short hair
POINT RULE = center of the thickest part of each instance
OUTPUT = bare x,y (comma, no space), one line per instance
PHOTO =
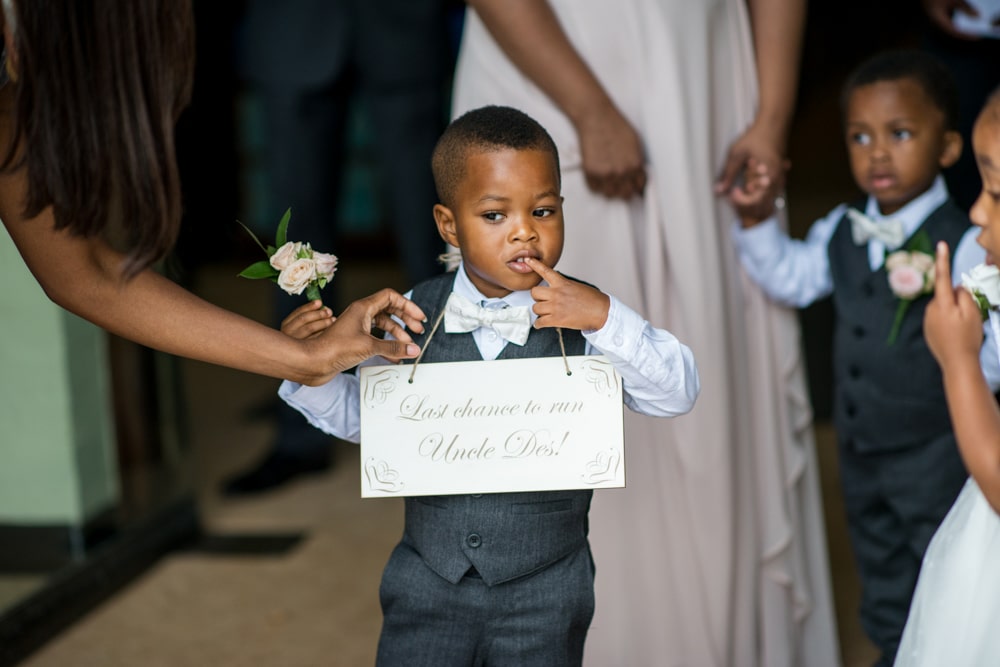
919,66
490,128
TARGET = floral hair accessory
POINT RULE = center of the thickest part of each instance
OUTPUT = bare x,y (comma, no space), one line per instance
911,275
294,265
983,283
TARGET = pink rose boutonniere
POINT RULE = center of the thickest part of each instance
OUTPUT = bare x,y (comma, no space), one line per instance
911,275
294,265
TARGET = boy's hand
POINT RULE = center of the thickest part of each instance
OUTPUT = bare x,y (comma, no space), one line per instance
567,303
753,199
953,325
308,320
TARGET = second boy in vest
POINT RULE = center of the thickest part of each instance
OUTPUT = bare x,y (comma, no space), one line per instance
899,467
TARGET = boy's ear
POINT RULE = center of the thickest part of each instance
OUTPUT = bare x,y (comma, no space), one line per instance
445,220
952,149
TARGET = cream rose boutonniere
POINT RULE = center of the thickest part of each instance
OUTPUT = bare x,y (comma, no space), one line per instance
911,275
294,265
983,283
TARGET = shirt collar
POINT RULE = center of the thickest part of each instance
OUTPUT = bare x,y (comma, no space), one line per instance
464,287
916,212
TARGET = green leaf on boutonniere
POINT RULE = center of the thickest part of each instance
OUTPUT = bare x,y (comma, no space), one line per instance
261,269
255,239
282,236
982,302
921,242
898,321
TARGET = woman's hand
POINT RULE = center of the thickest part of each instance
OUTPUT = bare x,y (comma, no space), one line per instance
348,341
941,13
764,150
612,154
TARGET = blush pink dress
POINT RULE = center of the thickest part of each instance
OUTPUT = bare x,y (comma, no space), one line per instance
715,553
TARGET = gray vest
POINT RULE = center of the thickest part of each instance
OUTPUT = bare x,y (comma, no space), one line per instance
885,396
502,535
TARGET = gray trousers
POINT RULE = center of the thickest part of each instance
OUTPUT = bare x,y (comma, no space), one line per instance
895,500
538,620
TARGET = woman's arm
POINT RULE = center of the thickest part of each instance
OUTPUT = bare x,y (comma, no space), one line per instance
85,277
777,26
530,34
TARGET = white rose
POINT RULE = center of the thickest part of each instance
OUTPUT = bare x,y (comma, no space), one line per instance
296,276
326,264
984,278
896,260
907,282
285,255
922,261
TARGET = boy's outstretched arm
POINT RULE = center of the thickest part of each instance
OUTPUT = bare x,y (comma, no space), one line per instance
954,333
308,320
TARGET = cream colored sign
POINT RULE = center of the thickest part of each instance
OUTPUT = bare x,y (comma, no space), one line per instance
491,427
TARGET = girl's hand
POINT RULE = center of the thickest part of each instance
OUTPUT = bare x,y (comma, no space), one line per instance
953,325
567,303
308,320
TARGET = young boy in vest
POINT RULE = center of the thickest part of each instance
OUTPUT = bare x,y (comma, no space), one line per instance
501,579
899,467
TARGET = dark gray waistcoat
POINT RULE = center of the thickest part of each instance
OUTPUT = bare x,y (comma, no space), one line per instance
885,396
502,535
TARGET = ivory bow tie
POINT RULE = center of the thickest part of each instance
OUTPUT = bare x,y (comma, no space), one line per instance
863,229
462,315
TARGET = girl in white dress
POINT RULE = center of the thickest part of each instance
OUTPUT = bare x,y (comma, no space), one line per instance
955,614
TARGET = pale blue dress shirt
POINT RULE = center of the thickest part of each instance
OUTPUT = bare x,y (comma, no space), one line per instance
659,375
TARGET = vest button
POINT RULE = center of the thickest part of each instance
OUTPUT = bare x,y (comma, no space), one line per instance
850,410
474,540
868,290
854,371
859,332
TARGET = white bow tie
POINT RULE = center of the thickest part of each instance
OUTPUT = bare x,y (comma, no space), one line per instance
462,315
863,229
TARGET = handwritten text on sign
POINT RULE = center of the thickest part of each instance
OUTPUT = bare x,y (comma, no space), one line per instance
491,427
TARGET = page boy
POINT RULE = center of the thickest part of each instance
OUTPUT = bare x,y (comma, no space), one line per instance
900,470
501,579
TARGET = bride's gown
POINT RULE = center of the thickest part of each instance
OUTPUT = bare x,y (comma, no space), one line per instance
715,553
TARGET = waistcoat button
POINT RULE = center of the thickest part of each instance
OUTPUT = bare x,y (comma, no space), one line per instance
859,332
474,540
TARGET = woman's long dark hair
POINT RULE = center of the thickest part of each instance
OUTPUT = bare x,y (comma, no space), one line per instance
100,84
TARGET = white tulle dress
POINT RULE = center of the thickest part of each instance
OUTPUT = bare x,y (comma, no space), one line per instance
955,614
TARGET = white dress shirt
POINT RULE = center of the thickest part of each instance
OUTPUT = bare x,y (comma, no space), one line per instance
796,272
659,375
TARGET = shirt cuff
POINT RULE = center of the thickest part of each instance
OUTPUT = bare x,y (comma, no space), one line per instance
619,335
316,401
